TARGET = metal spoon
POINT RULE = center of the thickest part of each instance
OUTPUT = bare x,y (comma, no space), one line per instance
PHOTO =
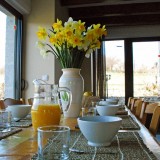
76,150
17,119
6,130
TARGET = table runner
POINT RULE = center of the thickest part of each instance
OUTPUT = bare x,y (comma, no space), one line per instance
128,123
9,133
125,145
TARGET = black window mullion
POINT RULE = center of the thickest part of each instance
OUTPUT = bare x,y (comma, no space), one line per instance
128,69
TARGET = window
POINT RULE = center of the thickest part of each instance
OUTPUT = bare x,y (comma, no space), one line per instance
11,52
114,51
146,68
127,68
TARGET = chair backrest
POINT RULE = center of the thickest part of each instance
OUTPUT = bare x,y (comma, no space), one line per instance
129,102
155,121
30,101
144,104
146,111
11,101
138,108
135,102
23,100
87,101
2,104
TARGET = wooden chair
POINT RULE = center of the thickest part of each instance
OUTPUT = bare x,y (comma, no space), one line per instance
138,108
87,101
155,121
146,113
11,101
129,102
23,100
30,101
141,104
135,102
2,104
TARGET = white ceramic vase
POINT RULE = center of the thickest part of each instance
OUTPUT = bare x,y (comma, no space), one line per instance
72,79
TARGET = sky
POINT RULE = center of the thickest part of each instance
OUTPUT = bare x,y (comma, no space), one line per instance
2,38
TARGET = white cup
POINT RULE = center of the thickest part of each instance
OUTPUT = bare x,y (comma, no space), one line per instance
53,142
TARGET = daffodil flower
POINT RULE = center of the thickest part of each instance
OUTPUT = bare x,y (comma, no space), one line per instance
70,42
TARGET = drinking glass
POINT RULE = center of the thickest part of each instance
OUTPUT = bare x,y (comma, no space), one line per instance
53,142
5,120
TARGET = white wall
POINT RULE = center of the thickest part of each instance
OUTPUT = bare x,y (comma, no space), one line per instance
42,14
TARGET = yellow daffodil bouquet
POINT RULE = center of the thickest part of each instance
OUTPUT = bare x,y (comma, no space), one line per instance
70,42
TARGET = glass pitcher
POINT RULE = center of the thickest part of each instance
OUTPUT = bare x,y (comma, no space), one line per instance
46,108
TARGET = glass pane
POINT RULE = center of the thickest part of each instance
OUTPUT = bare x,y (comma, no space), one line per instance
2,52
115,68
146,68
7,48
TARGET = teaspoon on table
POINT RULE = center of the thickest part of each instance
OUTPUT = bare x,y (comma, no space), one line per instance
17,119
76,150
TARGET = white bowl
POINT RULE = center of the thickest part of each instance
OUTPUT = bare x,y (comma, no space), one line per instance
107,110
19,111
109,101
99,130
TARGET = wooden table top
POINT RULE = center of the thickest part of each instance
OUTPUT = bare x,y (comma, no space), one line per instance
23,145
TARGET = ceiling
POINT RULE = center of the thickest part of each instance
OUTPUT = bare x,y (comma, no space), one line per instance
114,12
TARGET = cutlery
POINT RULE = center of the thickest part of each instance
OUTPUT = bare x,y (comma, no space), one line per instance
17,119
6,130
76,150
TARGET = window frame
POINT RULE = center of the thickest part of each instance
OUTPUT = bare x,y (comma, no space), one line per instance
18,49
99,67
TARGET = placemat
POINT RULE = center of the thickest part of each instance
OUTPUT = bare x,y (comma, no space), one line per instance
122,112
8,133
125,146
128,123
23,123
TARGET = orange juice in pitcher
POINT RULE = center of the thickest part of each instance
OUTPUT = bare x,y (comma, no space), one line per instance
46,114
46,109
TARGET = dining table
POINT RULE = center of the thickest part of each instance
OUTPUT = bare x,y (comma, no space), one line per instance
23,144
